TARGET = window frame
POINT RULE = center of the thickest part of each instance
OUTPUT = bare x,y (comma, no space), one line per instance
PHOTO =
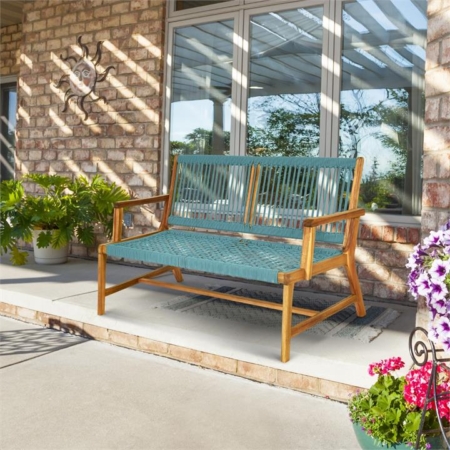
7,83
241,11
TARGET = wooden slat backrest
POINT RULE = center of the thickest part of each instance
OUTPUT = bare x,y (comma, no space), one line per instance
262,195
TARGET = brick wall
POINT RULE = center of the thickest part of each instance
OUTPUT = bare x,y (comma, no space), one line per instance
436,158
121,139
11,38
381,255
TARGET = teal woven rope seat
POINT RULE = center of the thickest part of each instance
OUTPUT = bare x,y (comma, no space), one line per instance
222,255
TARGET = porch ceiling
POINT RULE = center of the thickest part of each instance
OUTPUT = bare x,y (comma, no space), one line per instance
11,12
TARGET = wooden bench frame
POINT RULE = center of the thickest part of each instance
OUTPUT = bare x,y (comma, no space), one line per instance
306,270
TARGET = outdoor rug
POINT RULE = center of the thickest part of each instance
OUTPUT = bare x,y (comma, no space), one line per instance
344,324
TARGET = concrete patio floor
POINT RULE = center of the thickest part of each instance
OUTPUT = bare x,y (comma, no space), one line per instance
65,296
63,392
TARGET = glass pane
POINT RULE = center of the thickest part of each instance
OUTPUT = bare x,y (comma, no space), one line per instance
200,114
188,4
382,99
285,82
8,127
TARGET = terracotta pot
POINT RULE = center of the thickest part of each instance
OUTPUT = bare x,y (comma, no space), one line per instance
49,255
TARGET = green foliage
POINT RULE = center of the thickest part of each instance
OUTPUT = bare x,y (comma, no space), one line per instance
384,413
64,209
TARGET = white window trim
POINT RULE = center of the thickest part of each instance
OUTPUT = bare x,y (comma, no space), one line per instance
8,79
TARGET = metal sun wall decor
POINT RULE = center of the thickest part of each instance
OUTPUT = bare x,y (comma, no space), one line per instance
83,77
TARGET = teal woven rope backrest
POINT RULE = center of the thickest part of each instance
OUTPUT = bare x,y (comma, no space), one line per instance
261,195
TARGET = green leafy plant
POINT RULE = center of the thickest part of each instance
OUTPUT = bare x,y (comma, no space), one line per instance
63,209
390,411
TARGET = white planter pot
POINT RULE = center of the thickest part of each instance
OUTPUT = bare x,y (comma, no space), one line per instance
49,255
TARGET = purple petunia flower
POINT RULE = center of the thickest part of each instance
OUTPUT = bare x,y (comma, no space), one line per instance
439,269
433,239
443,326
429,278
423,285
438,289
439,305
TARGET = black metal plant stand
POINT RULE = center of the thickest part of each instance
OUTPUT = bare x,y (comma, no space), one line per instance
420,351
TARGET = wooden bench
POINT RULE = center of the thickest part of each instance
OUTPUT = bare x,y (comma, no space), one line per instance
272,219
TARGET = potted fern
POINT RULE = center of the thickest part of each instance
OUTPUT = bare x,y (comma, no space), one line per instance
62,210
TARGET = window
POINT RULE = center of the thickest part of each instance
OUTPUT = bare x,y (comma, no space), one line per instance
285,73
342,78
201,88
181,5
382,101
8,126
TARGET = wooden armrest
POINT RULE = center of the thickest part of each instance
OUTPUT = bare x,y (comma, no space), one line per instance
141,201
309,235
335,217
118,212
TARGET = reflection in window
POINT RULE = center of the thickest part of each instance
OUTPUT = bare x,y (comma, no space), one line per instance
7,127
285,83
201,89
383,63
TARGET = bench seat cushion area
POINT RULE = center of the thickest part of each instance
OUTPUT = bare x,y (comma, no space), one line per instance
222,255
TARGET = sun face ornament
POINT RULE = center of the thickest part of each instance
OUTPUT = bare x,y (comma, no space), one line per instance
83,77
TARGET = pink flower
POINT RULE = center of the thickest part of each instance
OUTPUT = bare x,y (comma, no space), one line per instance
386,366
415,390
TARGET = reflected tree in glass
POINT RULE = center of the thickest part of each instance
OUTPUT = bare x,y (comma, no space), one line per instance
290,126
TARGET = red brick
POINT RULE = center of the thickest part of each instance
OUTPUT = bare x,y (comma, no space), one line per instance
377,232
438,24
104,11
392,258
443,163
429,166
388,234
120,8
433,52
445,59
33,16
115,130
445,108
373,272
437,138
437,80
402,235
432,109
390,291
138,4
88,167
434,6
436,195
127,19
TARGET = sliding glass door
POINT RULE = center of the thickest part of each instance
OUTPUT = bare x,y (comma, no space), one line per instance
302,78
382,99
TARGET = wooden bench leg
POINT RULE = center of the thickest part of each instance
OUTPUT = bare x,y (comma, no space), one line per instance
286,322
101,283
355,287
177,274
